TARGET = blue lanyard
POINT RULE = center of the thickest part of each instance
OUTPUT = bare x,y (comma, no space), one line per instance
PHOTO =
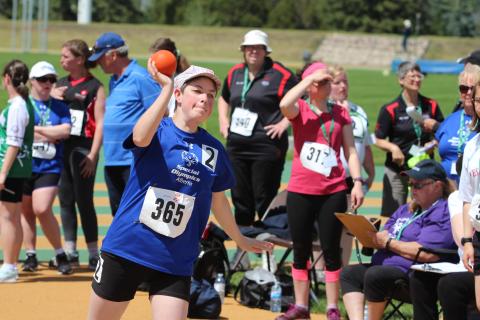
411,220
463,133
43,115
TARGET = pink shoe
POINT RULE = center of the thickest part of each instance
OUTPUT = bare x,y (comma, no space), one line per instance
294,312
333,314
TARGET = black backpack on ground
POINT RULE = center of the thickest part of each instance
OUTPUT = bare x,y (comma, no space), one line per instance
213,256
255,286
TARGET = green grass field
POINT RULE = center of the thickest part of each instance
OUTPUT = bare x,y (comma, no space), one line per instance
368,88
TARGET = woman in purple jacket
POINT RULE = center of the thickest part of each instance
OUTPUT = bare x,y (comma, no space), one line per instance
425,222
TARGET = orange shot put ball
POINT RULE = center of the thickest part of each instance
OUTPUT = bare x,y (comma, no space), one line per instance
165,61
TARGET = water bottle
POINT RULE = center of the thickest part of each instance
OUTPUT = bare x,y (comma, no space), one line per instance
219,286
276,297
365,312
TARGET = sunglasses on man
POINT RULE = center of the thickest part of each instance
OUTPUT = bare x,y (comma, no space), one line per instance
44,79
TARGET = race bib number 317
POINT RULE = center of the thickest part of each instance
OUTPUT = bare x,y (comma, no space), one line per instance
318,157
166,212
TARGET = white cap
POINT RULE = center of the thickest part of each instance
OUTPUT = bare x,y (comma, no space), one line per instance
41,69
254,37
195,72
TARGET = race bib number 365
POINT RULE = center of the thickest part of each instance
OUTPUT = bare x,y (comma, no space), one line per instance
166,212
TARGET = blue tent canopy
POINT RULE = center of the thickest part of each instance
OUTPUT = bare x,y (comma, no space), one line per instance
433,66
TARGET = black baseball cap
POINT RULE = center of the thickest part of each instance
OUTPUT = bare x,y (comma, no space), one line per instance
473,58
427,169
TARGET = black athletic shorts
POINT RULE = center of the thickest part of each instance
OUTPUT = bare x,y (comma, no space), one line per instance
117,279
15,190
40,180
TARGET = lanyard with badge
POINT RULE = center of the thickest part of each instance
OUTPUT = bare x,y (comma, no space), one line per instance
463,133
43,149
418,153
360,126
320,157
243,120
416,127
415,216
43,115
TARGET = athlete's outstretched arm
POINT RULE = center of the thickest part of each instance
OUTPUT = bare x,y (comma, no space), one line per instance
147,125
223,214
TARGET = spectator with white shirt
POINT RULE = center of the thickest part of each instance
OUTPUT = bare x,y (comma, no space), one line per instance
470,195
16,138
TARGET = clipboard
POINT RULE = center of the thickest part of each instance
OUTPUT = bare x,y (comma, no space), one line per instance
439,267
359,226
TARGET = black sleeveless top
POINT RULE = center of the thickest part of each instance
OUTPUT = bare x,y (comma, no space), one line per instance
80,97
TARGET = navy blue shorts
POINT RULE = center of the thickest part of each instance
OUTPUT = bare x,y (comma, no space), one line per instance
40,180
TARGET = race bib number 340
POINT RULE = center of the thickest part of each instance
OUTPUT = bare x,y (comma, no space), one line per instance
243,122
166,212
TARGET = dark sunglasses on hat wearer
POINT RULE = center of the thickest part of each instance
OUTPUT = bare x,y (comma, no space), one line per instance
48,78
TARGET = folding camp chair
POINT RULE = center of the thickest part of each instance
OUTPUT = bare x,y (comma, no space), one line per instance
401,293
278,236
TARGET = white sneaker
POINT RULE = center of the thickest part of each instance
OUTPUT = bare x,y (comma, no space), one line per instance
8,275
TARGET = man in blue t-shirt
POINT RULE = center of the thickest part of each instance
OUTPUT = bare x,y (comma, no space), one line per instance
132,91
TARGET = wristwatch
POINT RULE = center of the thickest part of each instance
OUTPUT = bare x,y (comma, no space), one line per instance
362,181
465,240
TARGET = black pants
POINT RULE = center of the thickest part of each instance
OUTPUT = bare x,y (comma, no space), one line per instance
257,183
456,292
423,291
376,282
116,178
76,190
303,210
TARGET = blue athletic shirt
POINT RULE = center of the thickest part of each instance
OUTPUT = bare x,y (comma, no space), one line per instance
447,136
130,95
50,113
191,164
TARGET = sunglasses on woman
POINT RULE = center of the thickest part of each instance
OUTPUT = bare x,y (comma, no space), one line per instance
51,79
464,89
418,185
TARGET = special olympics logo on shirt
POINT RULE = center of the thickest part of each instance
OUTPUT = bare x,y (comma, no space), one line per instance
189,158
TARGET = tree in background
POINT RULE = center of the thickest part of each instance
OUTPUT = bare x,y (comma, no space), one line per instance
439,17
456,18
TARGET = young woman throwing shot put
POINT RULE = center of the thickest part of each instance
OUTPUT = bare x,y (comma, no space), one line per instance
179,173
